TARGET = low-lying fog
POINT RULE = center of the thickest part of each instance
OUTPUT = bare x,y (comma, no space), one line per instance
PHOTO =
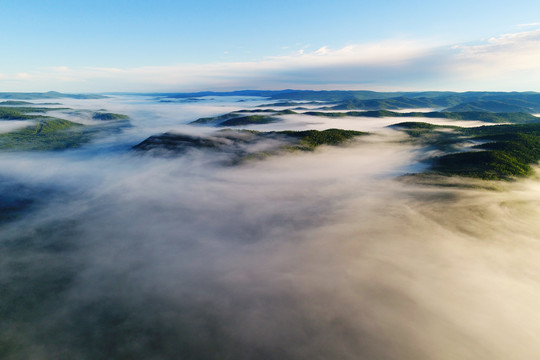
10,125
323,255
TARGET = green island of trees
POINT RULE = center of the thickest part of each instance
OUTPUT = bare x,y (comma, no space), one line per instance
232,142
24,112
104,116
46,134
51,133
311,139
502,152
243,117
16,103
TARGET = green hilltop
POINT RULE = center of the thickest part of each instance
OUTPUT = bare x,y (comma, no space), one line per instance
243,117
501,152
52,133
15,103
105,116
46,134
235,142
23,113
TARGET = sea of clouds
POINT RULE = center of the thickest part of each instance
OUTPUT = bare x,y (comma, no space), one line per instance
323,255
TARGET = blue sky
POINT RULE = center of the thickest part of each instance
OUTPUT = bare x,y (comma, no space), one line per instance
164,45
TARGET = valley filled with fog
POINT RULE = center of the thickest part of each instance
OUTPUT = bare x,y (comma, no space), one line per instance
324,254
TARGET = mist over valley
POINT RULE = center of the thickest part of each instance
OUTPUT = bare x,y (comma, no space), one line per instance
270,225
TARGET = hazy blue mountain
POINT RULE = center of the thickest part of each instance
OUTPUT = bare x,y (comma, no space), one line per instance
371,100
509,105
510,117
47,95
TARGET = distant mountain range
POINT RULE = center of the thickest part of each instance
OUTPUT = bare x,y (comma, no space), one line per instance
528,102
489,101
47,95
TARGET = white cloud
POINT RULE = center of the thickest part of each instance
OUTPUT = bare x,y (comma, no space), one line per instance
228,74
505,62
322,51
533,24
502,56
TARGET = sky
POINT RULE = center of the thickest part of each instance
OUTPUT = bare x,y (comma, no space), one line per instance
163,45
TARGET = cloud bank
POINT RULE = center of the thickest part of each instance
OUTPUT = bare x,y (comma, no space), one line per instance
505,62
310,256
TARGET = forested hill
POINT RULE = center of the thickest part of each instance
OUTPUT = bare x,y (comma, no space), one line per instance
370,100
47,95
